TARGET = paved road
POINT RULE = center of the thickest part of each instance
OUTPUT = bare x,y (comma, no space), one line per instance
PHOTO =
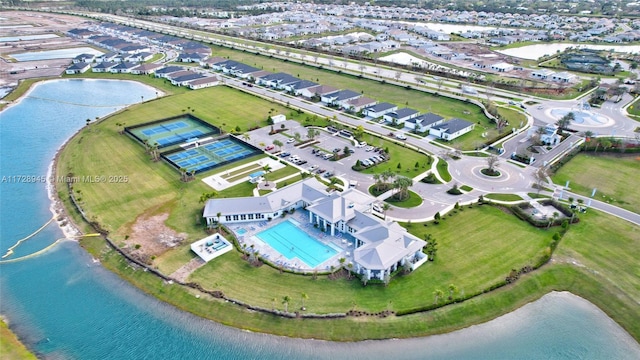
464,171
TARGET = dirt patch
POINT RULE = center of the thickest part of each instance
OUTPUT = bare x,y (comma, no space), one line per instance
150,237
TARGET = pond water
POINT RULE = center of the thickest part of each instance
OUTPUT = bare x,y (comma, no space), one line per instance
55,54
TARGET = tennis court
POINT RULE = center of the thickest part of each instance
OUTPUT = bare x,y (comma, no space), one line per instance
172,131
211,155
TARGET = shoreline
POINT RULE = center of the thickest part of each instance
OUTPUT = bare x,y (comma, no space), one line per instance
69,219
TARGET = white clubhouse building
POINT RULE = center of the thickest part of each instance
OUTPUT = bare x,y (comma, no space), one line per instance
380,247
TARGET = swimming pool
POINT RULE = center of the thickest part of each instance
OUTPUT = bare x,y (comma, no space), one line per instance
290,241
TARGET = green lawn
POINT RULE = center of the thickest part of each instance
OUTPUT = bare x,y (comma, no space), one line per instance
412,201
613,177
496,242
10,345
418,100
407,158
443,170
503,197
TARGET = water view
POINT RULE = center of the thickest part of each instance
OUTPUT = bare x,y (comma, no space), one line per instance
55,54
64,305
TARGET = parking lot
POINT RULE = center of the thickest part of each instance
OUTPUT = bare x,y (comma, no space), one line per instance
316,158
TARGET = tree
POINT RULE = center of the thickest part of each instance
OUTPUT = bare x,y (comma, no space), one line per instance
540,176
267,169
493,162
378,181
437,217
246,137
285,301
297,136
278,143
303,297
206,196
311,133
386,207
564,122
452,290
402,184
438,294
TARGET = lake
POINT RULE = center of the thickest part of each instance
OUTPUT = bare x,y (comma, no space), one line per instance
64,305
55,54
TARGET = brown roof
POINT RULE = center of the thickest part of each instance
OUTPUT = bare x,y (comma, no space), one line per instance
323,89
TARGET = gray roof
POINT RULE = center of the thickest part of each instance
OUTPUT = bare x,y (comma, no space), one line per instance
402,113
188,77
454,125
283,78
426,119
385,244
169,69
344,95
310,190
303,84
382,107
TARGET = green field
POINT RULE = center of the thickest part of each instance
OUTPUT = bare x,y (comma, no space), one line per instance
614,177
154,186
10,345
496,243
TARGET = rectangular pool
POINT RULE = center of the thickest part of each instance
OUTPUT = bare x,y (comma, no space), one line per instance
290,241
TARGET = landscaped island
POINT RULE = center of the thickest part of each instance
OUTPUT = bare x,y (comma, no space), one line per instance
484,265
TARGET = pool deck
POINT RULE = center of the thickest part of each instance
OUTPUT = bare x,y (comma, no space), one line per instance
343,245
219,183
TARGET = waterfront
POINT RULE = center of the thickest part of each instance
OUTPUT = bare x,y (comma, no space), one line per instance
64,305
533,52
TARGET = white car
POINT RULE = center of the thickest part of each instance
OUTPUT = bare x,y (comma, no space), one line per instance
290,140
401,136
362,144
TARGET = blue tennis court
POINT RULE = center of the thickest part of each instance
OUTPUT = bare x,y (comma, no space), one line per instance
205,157
173,131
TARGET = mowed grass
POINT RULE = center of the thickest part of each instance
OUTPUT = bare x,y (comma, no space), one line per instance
405,157
415,99
493,244
607,247
153,187
614,177
10,345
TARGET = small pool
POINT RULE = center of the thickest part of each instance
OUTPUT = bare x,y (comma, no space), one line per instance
580,116
241,231
290,241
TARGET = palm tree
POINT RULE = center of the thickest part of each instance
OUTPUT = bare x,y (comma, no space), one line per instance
285,302
278,143
350,267
402,184
378,180
303,297
386,207
566,120
452,290
267,170
246,137
438,294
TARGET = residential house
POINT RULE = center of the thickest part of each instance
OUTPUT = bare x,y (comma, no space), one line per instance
103,67
451,129
123,68
78,68
296,88
87,58
401,115
564,77
379,110
277,80
165,71
339,98
318,91
502,67
145,69
355,105
424,122
203,82
542,74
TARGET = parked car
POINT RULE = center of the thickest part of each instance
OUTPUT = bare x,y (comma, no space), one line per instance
369,148
361,144
285,154
269,147
290,140
312,167
328,174
401,136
